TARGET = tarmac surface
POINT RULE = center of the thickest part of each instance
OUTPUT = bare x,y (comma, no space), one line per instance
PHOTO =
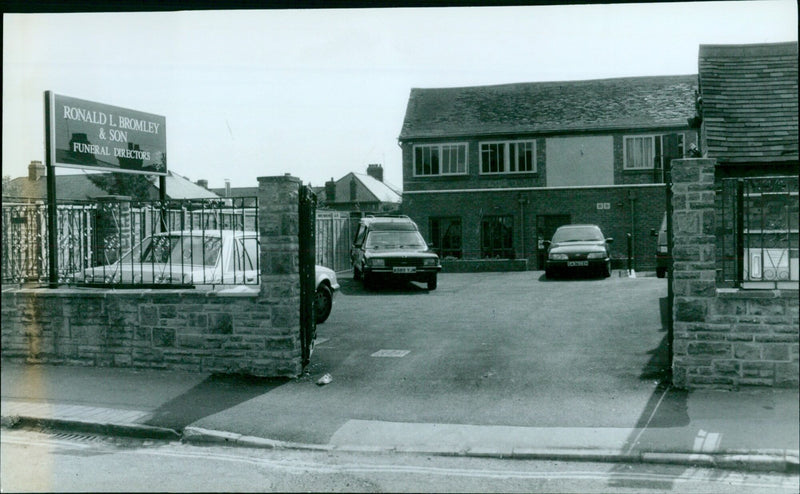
758,428
394,404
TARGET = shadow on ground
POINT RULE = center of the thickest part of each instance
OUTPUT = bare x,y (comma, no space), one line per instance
216,393
383,287
572,277
666,408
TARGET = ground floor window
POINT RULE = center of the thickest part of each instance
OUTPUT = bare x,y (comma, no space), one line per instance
446,237
497,237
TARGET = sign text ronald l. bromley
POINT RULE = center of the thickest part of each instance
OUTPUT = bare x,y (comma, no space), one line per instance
97,136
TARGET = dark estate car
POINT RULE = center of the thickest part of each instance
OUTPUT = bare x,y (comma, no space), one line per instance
392,247
576,248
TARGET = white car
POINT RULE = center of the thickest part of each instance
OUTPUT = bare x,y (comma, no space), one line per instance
202,258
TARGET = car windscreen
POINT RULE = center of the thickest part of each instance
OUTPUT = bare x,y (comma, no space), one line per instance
174,249
578,234
395,240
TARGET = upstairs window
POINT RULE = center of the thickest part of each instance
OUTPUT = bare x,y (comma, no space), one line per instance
508,157
440,159
647,152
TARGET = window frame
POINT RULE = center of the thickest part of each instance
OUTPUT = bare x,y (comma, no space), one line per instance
440,148
653,148
507,153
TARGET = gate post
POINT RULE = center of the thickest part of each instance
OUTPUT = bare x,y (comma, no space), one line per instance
694,266
278,224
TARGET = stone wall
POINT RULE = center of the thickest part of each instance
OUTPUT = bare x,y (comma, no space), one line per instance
723,337
254,331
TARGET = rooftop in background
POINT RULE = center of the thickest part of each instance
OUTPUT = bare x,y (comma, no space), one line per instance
542,107
79,187
749,102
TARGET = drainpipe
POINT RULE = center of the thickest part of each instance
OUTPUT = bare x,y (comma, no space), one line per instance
632,198
522,202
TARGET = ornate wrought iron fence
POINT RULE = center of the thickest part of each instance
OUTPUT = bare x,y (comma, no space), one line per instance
759,236
124,243
25,259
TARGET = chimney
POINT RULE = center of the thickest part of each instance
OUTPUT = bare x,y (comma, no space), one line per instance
227,187
35,171
330,191
203,183
375,171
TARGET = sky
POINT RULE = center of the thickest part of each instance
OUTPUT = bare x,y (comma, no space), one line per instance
321,93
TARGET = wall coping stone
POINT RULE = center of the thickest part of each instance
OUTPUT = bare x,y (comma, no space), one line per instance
736,293
135,293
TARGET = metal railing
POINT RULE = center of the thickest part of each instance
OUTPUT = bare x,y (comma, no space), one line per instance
135,244
334,237
25,251
759,236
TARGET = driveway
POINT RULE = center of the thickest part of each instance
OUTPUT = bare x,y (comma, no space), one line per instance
511,349
517,340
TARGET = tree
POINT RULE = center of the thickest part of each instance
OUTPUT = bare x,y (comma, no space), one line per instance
137,187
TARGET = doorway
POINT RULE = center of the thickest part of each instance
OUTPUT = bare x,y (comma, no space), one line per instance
546,225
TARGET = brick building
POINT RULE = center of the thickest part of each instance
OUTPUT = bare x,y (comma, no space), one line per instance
489,172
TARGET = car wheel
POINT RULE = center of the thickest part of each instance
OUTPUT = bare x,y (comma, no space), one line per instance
356,273
607,270
323,302
432,281
550,274
661,272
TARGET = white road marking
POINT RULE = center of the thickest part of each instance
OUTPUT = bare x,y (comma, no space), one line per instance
391,353
706,442
249,456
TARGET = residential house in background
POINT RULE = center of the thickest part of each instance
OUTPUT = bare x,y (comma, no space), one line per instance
360,193
490,172
79,187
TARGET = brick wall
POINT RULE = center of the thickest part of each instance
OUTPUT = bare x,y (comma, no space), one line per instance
637,216
229,331
722,337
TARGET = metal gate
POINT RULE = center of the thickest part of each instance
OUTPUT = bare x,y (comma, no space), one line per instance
307,227
671,151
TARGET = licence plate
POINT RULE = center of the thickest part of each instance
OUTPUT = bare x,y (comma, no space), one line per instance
404,269
576,264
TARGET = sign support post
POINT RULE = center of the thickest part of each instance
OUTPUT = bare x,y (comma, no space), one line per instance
52,207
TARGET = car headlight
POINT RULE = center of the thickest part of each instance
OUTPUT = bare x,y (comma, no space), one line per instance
378,263
558,257
596,255
429,262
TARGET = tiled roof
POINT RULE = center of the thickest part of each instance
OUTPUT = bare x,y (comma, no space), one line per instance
179,187
543,107
79,188
749,102
236,191
68,188
380,190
